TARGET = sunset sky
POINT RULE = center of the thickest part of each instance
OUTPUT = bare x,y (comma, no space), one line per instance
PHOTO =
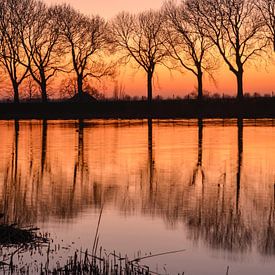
257,77
109,8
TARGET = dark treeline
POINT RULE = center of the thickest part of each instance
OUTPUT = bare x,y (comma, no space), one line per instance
258,107
37,41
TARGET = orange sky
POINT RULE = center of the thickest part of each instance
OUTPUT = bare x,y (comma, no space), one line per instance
109,8
258,78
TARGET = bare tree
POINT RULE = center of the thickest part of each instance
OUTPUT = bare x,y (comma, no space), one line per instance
234,26
267,10
39,35
140,38
85,38
12,56
67,87
30,89
187,43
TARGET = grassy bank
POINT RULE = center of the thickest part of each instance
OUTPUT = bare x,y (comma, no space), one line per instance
27,251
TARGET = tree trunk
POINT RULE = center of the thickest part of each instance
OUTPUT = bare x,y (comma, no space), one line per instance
15,92
149,87
80,86
200,91
43,88
43,85
240,84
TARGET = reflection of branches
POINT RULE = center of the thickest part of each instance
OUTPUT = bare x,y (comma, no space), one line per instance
11,178
225,230
15,200
199,168
267,239
210,212
151,166
79,164
44,145
150,153
15,150
267,244
220,225
240,160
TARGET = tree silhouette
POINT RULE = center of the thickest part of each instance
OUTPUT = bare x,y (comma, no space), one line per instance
235,27
187,42
85,40
140,38
40,35
12,56
267,10
36,39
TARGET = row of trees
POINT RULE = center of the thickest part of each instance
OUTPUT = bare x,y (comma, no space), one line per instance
38,41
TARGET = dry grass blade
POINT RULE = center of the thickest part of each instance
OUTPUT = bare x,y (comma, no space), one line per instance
96,238
156,255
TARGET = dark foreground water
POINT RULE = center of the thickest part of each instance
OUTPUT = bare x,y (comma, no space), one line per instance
206,186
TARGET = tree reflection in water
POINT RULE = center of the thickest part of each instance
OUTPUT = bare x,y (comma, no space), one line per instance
221,223
59,169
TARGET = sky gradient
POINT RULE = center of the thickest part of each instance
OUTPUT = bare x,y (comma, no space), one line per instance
258,76
109,8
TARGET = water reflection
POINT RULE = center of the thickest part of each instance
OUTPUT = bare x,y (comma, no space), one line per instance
240,160
44,145
151,158
199,171
214,177
216,217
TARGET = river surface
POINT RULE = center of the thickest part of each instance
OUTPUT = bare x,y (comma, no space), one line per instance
205,186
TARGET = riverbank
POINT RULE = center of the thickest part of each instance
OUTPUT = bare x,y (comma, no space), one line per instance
188,108
25,251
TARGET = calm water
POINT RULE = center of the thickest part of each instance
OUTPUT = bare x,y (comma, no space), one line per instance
204,186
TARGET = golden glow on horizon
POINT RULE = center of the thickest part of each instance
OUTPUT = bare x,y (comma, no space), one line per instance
166,83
